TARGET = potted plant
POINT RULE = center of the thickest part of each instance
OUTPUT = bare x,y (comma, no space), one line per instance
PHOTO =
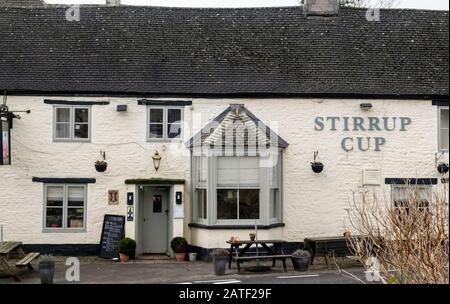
316,166
101,164
179,246
442,168
300,260
46,269
127,249
252,236
220,259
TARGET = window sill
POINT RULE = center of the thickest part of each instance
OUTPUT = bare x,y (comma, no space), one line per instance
237,226
61,230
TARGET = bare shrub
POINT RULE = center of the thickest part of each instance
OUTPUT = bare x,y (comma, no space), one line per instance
407,237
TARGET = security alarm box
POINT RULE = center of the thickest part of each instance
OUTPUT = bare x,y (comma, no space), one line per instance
130,198
178,197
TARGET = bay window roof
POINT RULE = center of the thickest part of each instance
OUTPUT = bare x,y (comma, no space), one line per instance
239,127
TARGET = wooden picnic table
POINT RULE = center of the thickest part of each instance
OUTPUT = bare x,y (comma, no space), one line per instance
9,248
239,255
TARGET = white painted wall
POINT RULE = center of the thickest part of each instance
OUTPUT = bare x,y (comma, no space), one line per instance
314,204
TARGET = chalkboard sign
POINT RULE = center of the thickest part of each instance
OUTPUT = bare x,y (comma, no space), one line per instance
112,232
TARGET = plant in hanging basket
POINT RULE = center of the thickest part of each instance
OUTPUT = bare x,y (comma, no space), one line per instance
317,167
101,166
442,168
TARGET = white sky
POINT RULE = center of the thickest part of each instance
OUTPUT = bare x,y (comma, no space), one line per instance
424,4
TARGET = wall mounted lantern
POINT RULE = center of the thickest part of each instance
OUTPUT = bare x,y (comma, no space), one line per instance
156,160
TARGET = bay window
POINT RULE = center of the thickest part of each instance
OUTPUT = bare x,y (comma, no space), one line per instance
236,190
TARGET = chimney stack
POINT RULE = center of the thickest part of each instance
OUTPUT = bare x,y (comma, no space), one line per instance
113,2
321,7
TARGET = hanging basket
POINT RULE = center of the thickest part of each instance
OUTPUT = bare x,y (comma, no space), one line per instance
317,167
442,168
101,167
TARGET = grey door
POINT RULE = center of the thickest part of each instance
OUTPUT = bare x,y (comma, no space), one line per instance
155,220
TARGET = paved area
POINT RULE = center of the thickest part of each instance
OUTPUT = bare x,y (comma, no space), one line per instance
94,270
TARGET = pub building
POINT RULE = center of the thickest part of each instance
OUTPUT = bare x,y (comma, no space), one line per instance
203,122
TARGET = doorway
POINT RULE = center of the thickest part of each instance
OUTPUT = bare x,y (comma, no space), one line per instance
154,219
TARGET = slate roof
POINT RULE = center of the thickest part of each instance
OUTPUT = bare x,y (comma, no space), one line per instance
22,3
248,51
236,126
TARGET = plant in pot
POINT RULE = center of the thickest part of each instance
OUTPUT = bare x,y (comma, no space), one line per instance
300,260
46,269
179,246
127,249
101,164
220,260
442,168
316,165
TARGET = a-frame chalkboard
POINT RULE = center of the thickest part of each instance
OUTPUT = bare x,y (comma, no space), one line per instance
112,232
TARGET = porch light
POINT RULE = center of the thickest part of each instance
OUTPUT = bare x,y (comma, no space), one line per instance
156,160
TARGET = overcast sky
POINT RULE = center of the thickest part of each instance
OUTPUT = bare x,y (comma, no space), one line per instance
426,4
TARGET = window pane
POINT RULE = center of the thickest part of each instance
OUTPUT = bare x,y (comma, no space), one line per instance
202,171
249,171
62,130
81,131
54,218
82,115
444,118
226,204
63,115
75,217
174,130
248,204
227,171
76,196
173,115
156,115
201,203
156,131
444,139
273,203
55,196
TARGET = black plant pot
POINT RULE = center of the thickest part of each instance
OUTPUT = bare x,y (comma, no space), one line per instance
300,263
442,168
46,272
317,167
101,167
220,264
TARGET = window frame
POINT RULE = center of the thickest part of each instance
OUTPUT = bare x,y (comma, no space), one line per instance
440,109
72,137
165,123
65,208
394,187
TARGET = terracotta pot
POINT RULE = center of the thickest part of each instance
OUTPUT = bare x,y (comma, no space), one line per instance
124,258
180,257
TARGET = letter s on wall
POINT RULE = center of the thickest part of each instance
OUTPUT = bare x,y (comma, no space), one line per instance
319,124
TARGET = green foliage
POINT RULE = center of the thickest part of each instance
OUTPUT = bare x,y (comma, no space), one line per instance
127,246
393,280
179,244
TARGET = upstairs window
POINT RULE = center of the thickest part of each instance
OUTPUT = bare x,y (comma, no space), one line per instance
72,123
164,123
443,129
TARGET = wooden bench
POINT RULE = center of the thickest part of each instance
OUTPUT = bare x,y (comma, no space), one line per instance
26,261
281,257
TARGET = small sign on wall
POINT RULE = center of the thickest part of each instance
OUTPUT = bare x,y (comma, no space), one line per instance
130,213
113,197
371,177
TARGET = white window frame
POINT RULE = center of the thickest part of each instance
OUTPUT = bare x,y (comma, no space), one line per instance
440,129
165,123
72,137
65,208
